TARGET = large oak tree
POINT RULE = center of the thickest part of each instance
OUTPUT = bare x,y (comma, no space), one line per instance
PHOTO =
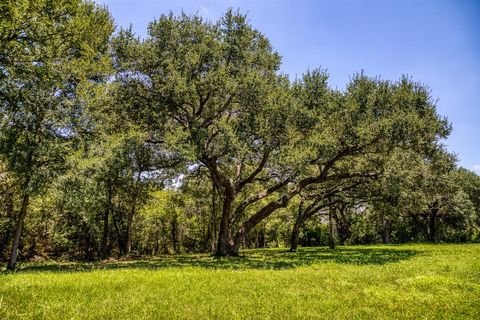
215,90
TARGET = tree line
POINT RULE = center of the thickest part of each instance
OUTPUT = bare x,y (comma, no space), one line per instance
192,140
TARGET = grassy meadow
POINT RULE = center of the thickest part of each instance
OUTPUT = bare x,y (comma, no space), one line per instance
357,282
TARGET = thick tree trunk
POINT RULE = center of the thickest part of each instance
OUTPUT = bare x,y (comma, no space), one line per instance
296,229
223,243
295,238
18,232
331,228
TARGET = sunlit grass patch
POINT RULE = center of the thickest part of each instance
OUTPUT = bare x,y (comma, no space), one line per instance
364,282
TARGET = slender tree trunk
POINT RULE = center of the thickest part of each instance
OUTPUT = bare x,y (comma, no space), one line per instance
32,250
121,240
277,244
131,213
164,238
341,220
174,225
89,254
6,235
157,243
417,227
433,224
18,232
386,230
129,227
213,222
331,228
105,236
106,223
264,237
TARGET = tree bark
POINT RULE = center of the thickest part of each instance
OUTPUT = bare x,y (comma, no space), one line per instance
433,223
6,234
223,244
295,235
341,220
18,232
386,230
296,229
213,223
331,229
237,243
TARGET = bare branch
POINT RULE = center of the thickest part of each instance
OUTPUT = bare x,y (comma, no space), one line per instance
259,169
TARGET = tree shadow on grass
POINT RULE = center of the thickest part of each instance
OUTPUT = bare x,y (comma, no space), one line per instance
262,259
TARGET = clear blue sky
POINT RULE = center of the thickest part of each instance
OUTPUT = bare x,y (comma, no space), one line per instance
436,42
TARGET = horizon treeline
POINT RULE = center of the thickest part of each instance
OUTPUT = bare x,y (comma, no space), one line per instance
192,140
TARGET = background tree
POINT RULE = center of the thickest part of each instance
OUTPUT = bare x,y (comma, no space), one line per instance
48,50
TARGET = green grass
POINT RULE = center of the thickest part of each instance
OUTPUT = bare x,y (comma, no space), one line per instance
358,282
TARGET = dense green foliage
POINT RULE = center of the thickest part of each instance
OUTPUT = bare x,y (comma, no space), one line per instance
360,282
191,140
50,51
